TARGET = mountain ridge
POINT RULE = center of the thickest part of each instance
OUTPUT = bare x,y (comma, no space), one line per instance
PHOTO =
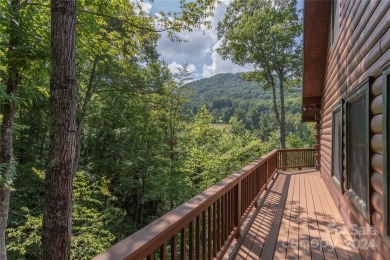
227,95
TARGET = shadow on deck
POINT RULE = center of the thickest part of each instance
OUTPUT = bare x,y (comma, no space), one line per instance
297,218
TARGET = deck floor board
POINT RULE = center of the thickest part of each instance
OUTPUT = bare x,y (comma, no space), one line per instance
297,220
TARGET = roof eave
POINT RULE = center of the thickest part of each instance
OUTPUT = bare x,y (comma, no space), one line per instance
315,41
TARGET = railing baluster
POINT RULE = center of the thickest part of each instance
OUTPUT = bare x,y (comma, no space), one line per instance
260,179
227,225
183,244
242,196
209,228
227,215
219,223
223,219
245,192
204,248
254,184
197,238
231,210
223,216
173,247
238,209
214,229
163,251
191,240
227,228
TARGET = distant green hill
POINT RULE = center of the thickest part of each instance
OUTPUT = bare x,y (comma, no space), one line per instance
228,86
228,95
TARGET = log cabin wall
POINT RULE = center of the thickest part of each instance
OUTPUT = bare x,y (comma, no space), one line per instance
359,54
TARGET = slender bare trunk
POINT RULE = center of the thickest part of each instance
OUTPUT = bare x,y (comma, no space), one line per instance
282,127
275,105
6,131
57,215
83,113
279,115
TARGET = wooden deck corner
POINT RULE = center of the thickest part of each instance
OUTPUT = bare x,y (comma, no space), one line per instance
297,220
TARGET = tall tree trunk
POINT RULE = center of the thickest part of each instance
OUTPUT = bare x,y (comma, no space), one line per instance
6,130
280,116
57,215
83,113
275,105
282,127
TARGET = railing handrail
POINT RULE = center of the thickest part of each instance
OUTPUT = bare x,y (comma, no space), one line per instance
296,150
144,242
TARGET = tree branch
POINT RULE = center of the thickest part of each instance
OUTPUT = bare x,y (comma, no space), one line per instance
132,24
178,24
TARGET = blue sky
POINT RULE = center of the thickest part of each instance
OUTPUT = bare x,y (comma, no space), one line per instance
200,50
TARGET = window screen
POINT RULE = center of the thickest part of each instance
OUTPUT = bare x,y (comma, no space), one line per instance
336,145
357,162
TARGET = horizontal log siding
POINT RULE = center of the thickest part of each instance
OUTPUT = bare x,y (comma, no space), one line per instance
360,53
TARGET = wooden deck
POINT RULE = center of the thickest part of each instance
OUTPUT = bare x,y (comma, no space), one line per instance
296,220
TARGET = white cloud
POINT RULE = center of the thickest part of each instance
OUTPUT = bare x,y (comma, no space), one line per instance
142,6
198,45
146,7
174,67
220,65
199,50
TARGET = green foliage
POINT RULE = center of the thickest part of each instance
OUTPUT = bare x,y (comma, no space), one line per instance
92,215
265,34
228,96
11,169
24,240
210,154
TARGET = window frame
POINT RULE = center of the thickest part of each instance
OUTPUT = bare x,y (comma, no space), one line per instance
386,151
361,206
338,108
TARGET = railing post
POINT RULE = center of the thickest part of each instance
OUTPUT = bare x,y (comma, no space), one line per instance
238,209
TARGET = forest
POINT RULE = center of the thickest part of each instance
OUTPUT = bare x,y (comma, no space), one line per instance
146,139
228,96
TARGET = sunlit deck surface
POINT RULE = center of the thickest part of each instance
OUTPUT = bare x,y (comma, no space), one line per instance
297,219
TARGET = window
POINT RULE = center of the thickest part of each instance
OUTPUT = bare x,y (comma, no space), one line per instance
337,151
357,149
386,150
335,20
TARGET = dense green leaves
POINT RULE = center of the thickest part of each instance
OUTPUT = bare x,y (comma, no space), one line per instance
228,96
92,214
265,35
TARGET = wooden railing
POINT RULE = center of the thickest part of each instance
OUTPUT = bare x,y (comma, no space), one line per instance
296,158
205,226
